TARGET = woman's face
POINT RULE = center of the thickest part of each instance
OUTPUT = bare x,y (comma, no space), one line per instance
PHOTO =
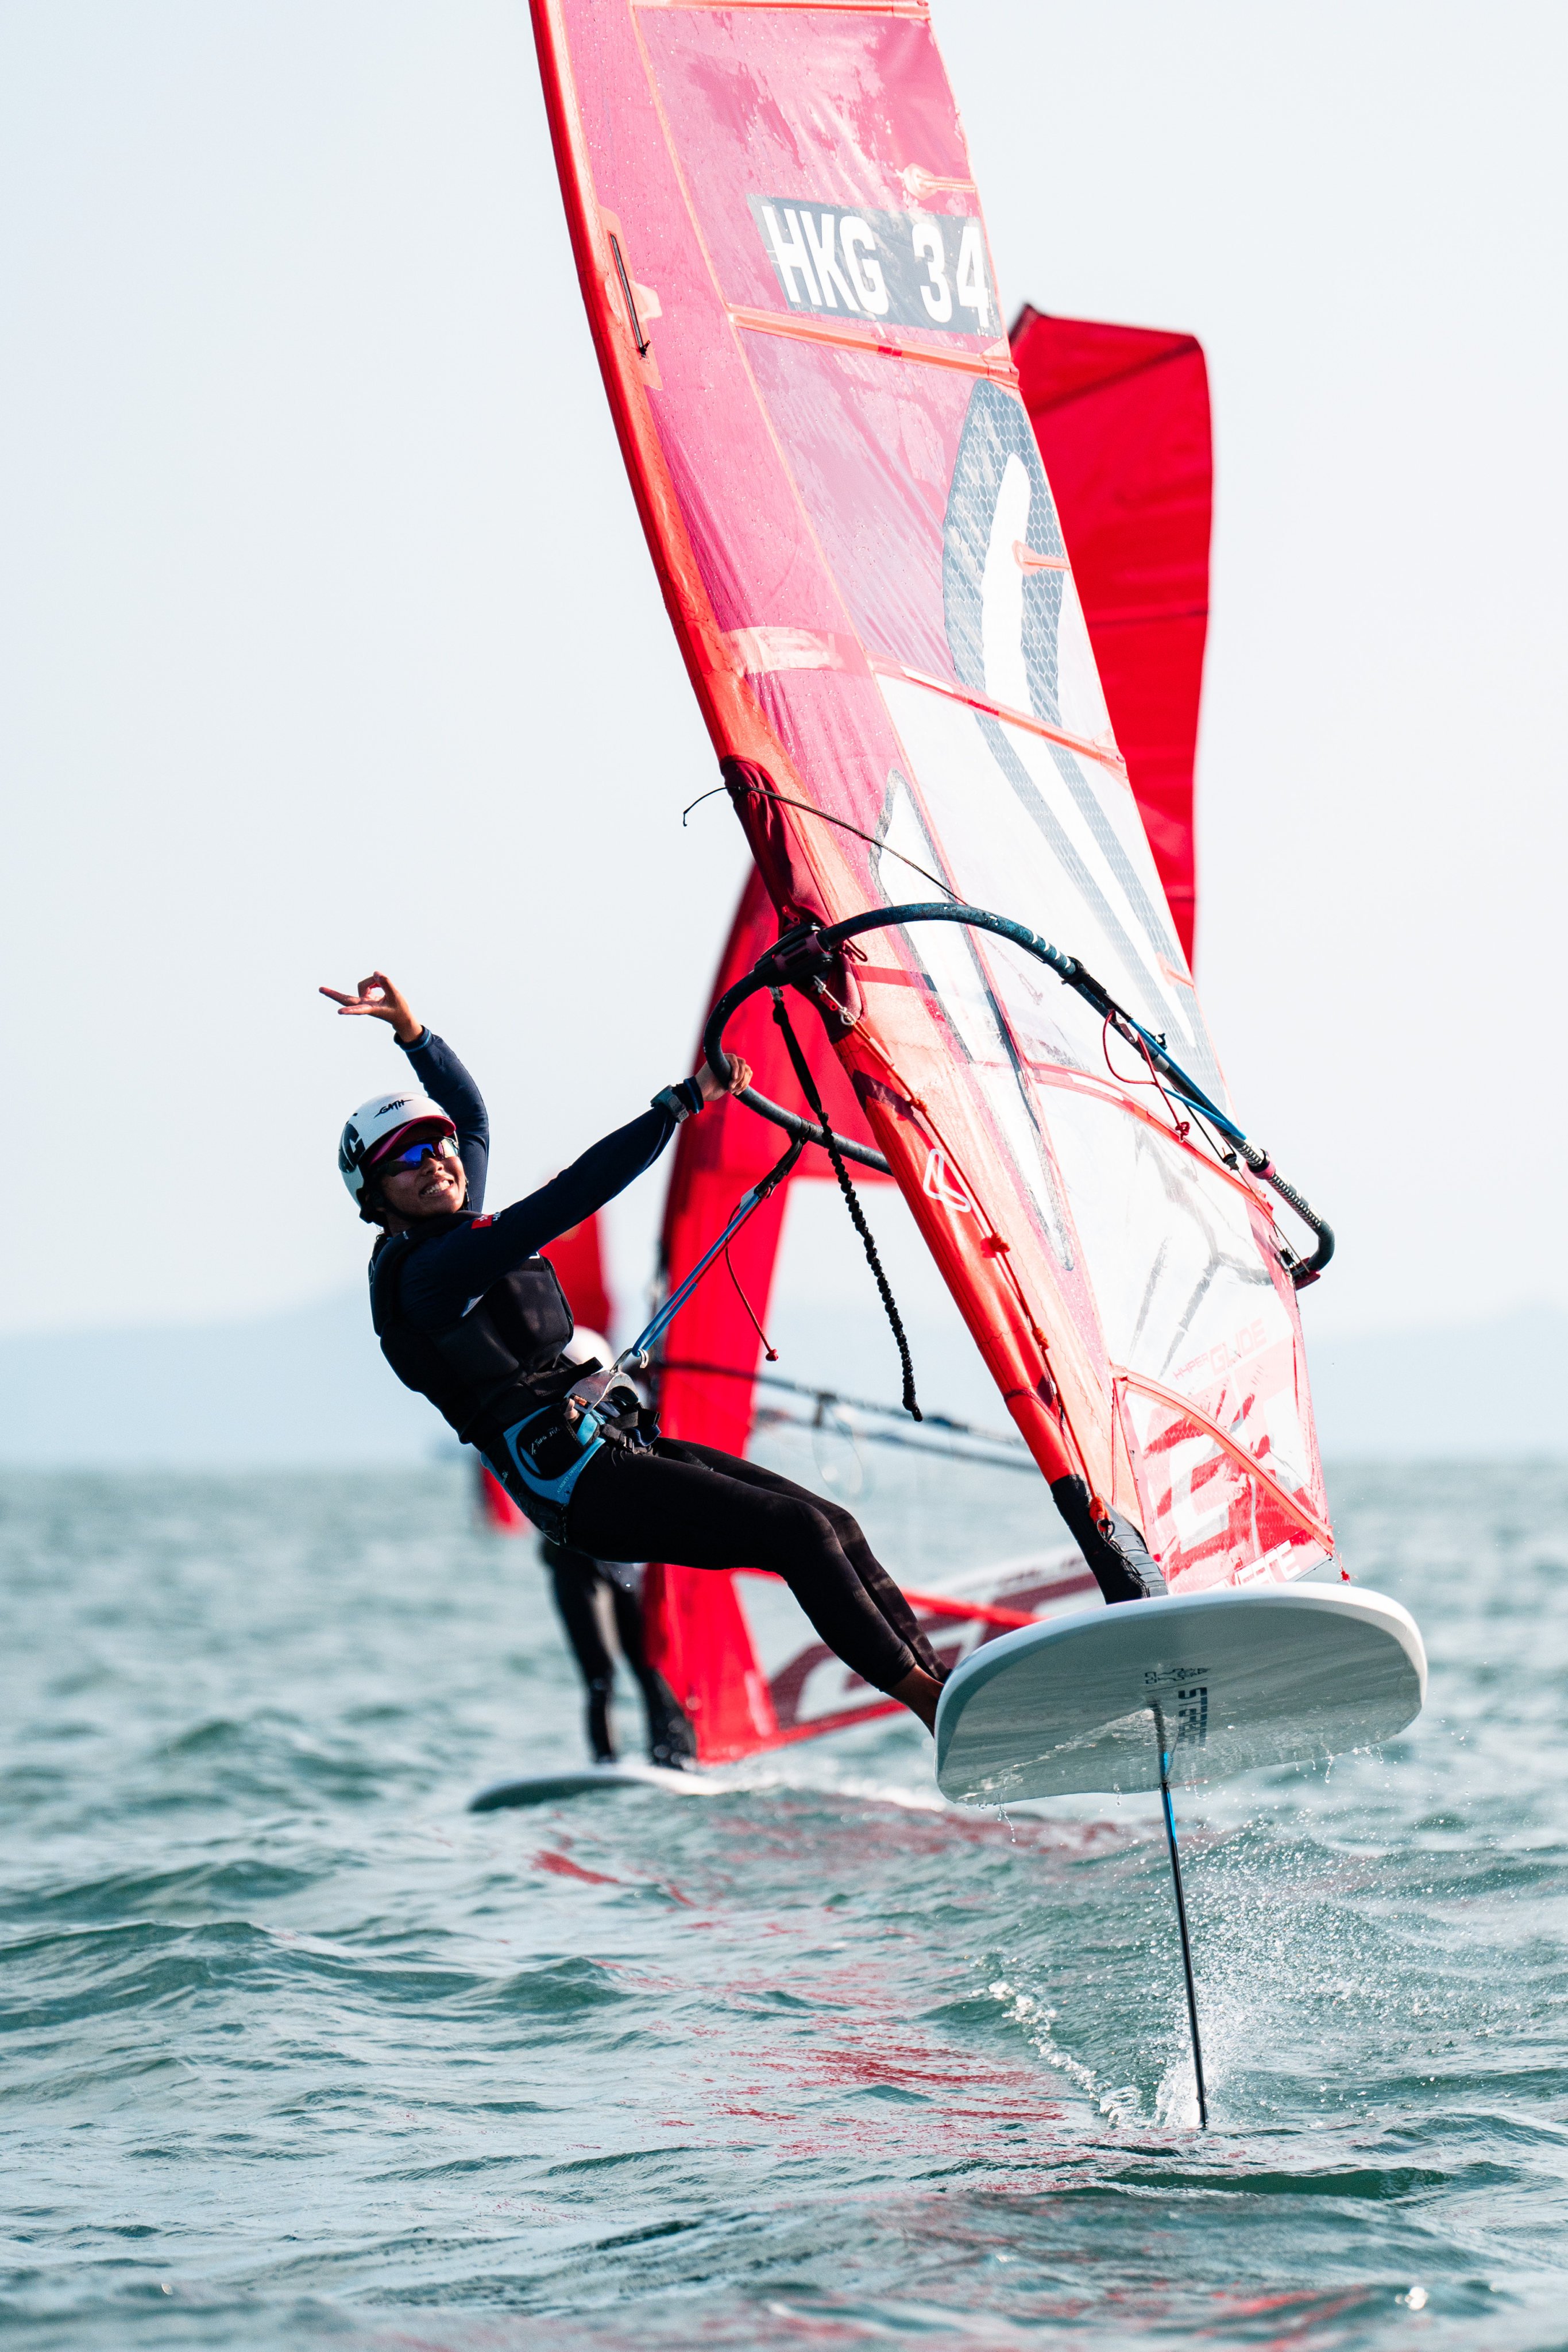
434,1186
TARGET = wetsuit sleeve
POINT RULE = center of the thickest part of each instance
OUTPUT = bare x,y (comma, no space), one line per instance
442,1277
442,1076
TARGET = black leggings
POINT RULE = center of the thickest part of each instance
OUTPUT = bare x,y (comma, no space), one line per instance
697,1508
576,1577
577,1581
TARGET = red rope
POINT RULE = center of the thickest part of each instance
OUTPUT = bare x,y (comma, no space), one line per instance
1184,1127
770,1353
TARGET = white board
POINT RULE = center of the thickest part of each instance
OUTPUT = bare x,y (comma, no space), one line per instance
592,1779
1289,1674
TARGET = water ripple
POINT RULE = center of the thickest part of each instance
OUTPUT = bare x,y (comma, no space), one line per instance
299,2052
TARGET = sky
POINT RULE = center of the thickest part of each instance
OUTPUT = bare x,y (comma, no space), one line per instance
333,641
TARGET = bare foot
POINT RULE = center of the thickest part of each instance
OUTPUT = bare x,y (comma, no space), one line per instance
920,1694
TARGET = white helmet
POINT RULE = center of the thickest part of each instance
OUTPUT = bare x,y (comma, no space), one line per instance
376,1124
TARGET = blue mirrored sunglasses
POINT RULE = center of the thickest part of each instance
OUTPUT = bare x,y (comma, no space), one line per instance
439,1147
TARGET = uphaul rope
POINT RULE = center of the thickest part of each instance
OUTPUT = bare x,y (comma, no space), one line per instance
804,957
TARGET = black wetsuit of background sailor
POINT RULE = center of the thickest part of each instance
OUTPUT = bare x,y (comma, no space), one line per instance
588,1592
665,1499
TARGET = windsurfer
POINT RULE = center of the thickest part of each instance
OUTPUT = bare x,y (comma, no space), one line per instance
473,1318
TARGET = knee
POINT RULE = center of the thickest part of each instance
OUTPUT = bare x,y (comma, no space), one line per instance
844,1524
802,1532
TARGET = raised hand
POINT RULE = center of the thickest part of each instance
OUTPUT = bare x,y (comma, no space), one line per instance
380,1000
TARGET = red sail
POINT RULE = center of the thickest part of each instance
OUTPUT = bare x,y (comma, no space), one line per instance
743,1673
578,1257
785,268
1122,418
716,1158
698,1636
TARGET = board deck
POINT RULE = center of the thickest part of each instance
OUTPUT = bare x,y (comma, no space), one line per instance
592,1780
1223,1681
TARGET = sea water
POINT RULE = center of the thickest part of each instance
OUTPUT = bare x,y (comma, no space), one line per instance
299,2052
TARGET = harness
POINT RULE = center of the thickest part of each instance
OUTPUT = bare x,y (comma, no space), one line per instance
498,1378
547,1453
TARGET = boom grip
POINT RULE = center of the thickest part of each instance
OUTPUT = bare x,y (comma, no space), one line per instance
802,1129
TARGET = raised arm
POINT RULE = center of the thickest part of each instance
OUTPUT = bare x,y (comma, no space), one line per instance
437,1070
442,1277
452,1268
444,1080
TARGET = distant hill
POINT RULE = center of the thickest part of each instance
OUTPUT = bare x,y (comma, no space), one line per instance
309,1388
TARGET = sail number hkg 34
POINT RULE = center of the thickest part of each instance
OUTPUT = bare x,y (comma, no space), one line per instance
895,270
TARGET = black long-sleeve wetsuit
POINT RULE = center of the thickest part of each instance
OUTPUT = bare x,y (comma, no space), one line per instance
688,1504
